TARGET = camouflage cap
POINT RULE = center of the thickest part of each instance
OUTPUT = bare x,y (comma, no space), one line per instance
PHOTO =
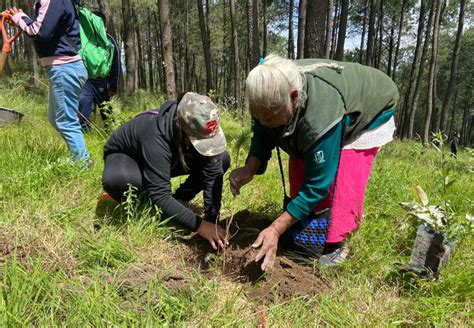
199,118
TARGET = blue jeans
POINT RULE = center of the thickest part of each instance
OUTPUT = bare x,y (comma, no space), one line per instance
66,82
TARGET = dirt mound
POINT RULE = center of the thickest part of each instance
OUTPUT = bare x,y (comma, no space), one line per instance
286,280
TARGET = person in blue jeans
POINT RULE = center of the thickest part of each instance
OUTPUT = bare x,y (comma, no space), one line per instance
98,91
52,25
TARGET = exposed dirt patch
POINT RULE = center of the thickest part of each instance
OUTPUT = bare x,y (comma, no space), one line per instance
138,276
25,243
286,280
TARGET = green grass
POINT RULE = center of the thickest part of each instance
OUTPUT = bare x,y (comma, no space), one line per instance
62,264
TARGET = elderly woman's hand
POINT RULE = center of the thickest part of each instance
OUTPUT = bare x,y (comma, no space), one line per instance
243,175
268,242
268,239
238,178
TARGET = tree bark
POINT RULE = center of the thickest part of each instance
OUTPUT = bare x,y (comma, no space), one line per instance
364,27
265,30
435,116
235,48
159,54
454,67
335,29
206,44
424,54
329,27
341,38
453,113
151,60
140,71
291,40
129,41
252,28
414,73
315,32
167,43
30,51
467,119
390,48
104,8
301,28
399,38
369,59
378,53
432,74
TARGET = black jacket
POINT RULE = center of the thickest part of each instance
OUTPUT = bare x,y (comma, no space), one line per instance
149,139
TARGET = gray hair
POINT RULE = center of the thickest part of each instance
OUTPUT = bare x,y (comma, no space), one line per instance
269,84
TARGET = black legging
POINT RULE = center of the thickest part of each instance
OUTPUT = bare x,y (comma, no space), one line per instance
120,170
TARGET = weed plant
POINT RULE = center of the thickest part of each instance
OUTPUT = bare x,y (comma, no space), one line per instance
62,264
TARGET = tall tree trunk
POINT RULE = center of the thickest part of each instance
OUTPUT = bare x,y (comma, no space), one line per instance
378,54
291,39
390,47
432,74
187,62
166,41
453,113
225,72
435,116
159,54
364,28
315,32
252,28
341,38
206,44
301,28
129,41
424,54
466,125
414,73
335,30
369,59
30,51
399,38
140,71
329,27
104,8
235,48
265,30
454,67
150,58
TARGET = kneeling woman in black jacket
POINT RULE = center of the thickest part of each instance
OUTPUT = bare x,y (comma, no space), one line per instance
178,139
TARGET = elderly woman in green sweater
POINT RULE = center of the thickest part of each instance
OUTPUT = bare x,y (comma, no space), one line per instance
331,118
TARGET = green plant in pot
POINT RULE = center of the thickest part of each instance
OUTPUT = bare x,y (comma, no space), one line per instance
440,226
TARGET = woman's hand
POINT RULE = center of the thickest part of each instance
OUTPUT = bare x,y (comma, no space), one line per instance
268,239
268,242
238,178
214,234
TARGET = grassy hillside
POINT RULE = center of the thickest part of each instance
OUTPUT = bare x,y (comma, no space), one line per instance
62,263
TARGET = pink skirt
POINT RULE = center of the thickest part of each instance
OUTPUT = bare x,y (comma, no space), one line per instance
346,192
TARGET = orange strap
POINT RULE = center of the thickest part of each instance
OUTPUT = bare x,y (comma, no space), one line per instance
7,42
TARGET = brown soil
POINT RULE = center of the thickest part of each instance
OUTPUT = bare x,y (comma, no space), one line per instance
286,280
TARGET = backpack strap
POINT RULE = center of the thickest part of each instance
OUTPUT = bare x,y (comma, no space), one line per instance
286,198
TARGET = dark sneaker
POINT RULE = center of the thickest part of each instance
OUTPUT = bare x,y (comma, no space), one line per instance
335,257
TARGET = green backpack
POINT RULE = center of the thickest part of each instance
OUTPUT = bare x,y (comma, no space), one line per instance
96,51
